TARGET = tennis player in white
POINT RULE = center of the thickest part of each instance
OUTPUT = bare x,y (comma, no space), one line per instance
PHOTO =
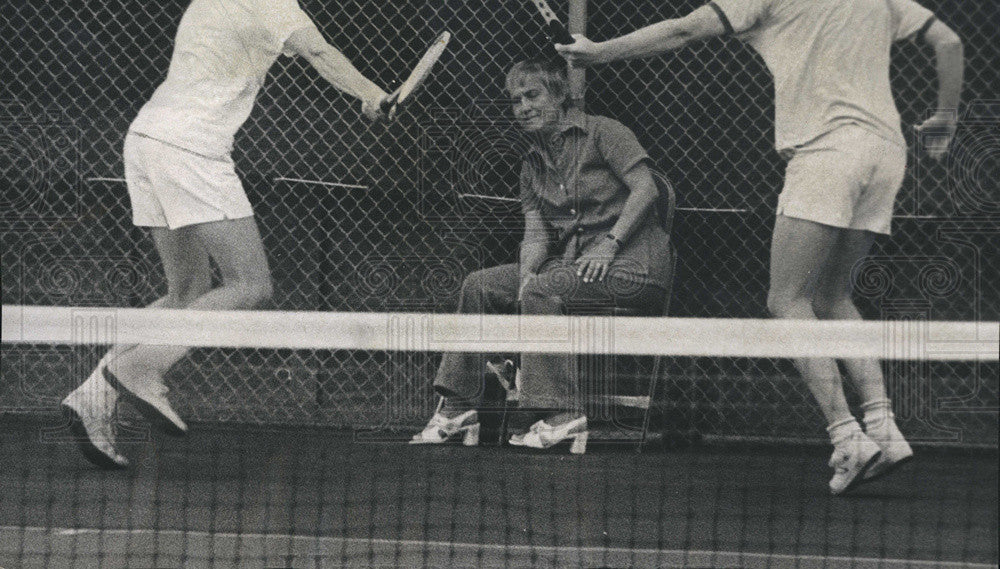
837,124
183,186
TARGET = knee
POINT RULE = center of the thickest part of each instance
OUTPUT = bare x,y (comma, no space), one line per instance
473,283
484,290
535,299
774,305
189,291
253,292
557,283
471,294
184,291
823,307
782,305
834,307
259,292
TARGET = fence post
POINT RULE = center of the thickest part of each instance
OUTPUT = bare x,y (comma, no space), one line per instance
577,76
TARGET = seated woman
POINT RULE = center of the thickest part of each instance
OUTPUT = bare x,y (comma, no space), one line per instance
592,237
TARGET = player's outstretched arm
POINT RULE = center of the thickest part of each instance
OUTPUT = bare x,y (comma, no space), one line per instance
668,35
337,69
938,130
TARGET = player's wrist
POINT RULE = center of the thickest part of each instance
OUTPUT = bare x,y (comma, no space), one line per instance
615,242
607,52
374,94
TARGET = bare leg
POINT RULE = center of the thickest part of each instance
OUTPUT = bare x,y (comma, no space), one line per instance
186,265
799,251
91,405
799,254
236,247
833,302
189,278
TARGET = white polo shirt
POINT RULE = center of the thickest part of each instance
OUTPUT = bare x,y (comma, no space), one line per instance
221,56
829,59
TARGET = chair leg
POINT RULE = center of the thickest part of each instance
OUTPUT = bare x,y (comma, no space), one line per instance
658,361
654,380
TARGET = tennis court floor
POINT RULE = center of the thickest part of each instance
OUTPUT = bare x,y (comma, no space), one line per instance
300,497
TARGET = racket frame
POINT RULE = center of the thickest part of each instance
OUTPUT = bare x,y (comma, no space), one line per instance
418,74
555,29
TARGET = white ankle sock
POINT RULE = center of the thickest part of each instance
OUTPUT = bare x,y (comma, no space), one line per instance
877,412
843,430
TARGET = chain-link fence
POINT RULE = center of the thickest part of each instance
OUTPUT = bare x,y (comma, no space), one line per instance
359,217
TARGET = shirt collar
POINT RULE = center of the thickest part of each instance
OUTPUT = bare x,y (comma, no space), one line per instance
575,119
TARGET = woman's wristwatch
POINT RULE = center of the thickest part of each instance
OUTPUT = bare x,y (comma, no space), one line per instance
617,241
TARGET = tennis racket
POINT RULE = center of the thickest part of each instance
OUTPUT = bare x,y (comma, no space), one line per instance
556,31
423,68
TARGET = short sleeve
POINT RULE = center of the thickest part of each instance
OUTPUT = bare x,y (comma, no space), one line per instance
908,19
619,147
740,15
529,197
283,18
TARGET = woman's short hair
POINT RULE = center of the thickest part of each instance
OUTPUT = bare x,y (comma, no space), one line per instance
552,72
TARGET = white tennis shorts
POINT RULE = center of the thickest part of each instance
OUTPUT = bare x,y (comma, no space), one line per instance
172,187
848,177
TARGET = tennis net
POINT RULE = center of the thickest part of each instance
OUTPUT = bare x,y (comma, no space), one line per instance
270,477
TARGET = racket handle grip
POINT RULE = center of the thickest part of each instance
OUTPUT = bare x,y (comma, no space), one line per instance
558,33
387,103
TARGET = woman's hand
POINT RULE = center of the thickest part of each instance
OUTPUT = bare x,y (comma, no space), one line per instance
593,265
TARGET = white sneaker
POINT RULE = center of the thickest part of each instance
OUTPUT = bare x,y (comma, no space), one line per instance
895,450
850,461
93,431
544,435
441,429
151,400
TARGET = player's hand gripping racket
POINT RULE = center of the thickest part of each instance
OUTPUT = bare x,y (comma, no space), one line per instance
423,68
556,31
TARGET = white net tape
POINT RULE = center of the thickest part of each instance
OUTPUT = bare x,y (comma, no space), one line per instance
605,335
